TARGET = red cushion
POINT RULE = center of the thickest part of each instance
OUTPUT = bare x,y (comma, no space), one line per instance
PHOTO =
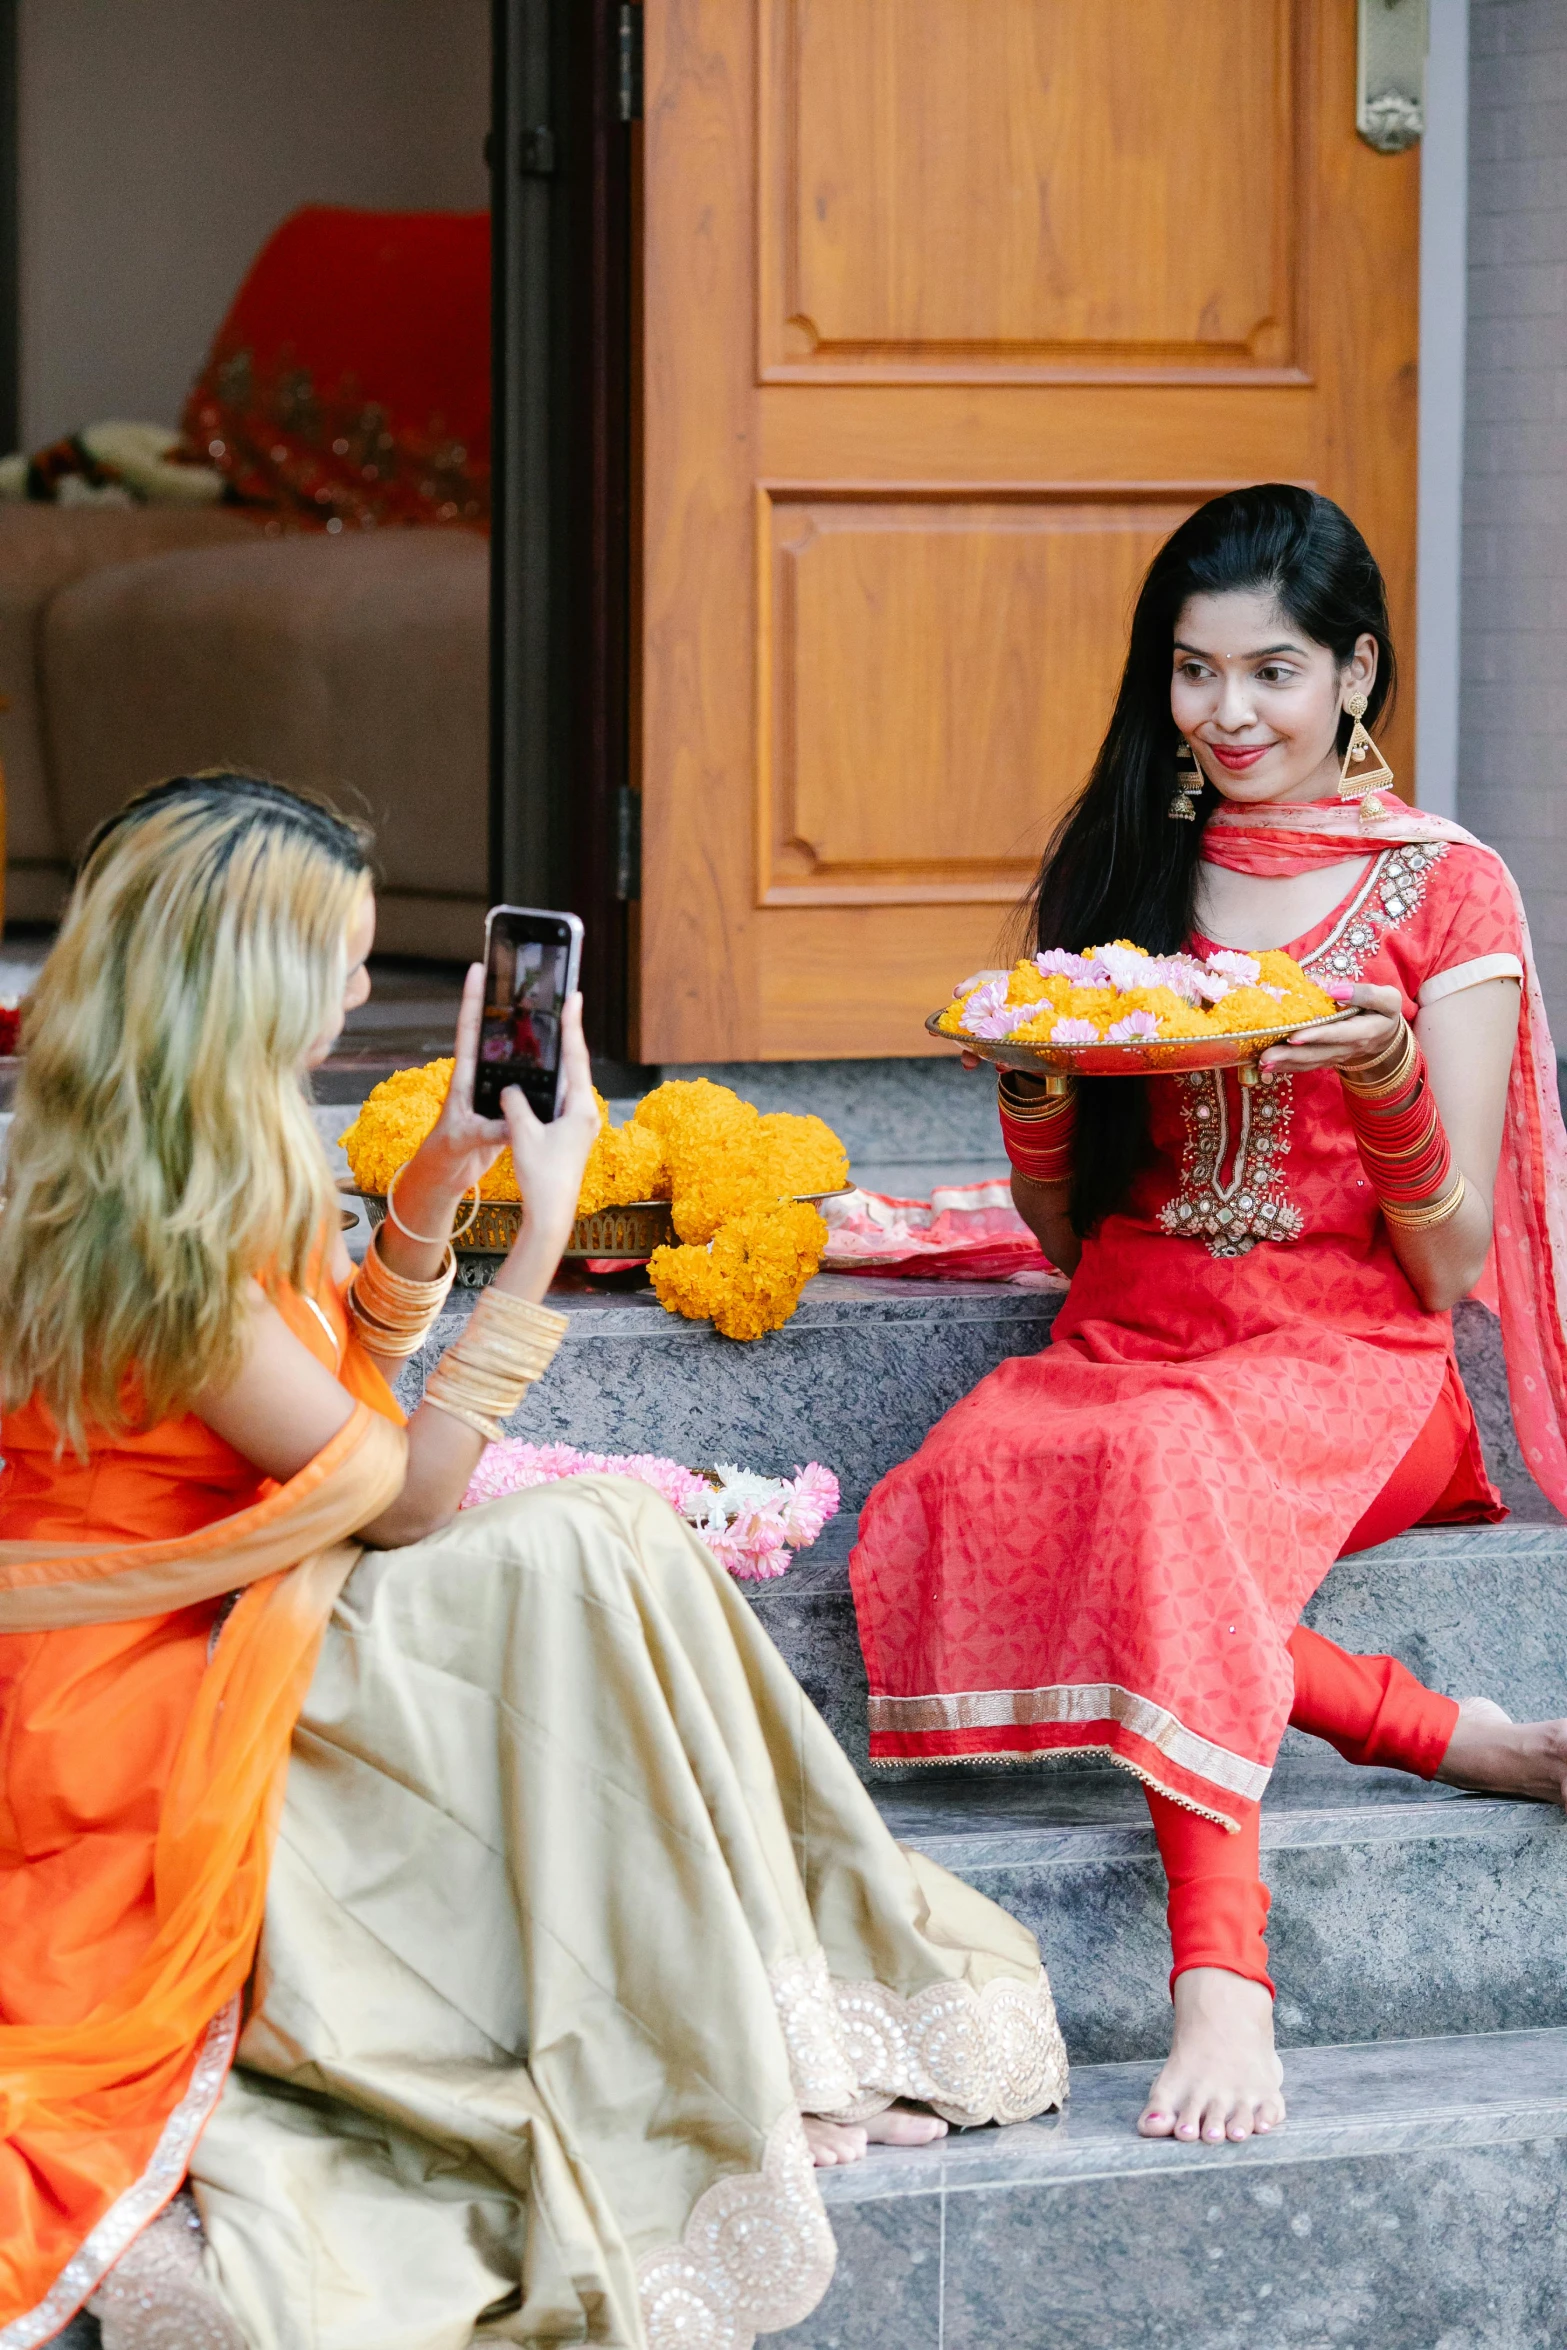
350,382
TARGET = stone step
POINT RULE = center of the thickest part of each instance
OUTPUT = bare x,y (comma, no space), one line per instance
854,1380
1414,2202
1399,1909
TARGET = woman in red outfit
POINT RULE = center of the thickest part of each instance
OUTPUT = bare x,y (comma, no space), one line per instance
1106,1547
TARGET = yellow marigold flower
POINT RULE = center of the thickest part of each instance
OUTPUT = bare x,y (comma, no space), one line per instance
1028,985
397,1116
750,1278
805,1151
1303,998
1039,1029
393,1122
1185,1020
684,1100
1251,1007
626,1163
718,1172
730,1172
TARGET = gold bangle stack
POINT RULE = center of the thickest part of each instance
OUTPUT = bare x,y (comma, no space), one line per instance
1429,1212
508,1344
1373,1088
392,1314
1056,1094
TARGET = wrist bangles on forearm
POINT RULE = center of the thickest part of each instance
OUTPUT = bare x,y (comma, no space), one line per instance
508,1344
1399,1133
392,1314
1038,1130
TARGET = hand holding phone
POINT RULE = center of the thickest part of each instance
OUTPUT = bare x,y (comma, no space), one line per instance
532,959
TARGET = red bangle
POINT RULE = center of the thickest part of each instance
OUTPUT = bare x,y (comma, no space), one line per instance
1402,1142
1039,1141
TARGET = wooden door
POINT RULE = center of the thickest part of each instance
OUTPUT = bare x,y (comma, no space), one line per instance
951,310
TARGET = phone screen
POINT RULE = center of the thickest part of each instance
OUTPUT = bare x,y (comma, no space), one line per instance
530,968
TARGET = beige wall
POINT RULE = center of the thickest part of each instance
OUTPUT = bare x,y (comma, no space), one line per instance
162,139
1514,677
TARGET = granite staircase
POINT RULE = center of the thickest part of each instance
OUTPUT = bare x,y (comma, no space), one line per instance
1419,1936
1418,2198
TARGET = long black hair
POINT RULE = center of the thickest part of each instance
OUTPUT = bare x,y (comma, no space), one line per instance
1116,867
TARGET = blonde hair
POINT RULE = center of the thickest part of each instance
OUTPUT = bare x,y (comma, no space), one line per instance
163,1153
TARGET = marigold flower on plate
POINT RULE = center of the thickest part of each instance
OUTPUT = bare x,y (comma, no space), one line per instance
1110,993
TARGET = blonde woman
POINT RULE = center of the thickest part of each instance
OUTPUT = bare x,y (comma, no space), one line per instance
572,1907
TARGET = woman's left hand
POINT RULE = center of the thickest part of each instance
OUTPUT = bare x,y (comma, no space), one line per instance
461,1147
1370,1023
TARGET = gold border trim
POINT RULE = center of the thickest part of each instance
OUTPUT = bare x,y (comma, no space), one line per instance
142,2201
1079,1701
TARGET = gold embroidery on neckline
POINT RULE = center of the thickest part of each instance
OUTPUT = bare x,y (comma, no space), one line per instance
1233,1215
1253,1204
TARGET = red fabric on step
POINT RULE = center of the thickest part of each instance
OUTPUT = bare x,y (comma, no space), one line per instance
1441,1480
1370,1707
350,381
1218,1904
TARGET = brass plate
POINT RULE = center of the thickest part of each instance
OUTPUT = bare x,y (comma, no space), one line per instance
1156,1058
630,1233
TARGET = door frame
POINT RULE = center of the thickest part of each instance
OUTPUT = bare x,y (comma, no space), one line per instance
562,815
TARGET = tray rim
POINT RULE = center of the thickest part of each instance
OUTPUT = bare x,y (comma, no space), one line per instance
348,1189
1158,1056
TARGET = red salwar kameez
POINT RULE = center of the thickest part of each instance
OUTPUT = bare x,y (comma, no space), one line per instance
1106,1547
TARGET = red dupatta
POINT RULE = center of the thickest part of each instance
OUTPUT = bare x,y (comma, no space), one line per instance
1526,1276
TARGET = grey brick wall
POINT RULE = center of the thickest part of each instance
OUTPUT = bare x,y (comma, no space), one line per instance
1513,710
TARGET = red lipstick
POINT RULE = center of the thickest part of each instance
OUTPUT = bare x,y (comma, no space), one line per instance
1237,757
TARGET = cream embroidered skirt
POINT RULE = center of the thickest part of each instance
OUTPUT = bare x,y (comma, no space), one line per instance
577,1906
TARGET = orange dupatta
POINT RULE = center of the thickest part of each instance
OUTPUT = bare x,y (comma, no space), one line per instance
98,2117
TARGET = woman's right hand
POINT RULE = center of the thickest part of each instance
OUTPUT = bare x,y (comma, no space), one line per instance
549,1159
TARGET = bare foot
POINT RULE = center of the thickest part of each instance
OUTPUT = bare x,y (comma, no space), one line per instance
1222,2079
899,2125
1494,1755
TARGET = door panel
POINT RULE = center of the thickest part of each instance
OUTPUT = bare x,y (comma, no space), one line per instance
950,315
856,804
938,196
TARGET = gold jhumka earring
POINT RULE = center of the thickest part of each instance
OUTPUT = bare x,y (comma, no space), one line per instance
1188,785
1369,779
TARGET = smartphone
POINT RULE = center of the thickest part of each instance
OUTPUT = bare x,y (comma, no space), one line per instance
531,962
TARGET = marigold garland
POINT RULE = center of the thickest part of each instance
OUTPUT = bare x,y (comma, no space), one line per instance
732,1174
749,1278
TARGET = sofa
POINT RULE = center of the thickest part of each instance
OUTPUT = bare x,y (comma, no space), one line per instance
332,629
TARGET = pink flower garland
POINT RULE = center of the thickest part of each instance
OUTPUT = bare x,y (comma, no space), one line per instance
748,1522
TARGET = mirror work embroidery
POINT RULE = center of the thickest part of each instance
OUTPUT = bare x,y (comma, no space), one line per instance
1233,1200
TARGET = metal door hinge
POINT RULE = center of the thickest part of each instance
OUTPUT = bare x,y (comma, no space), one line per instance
536,157
1390,82
628,62
628,843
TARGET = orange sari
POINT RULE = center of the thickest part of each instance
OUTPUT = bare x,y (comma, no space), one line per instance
144,1741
